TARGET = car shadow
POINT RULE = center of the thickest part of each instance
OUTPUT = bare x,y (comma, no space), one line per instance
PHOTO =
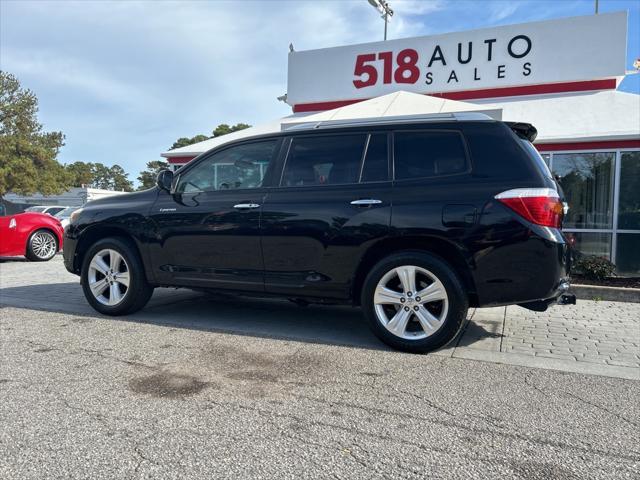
182,308
268,318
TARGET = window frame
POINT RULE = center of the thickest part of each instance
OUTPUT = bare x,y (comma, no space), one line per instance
286,151
614,230
366,150
269,172
465,147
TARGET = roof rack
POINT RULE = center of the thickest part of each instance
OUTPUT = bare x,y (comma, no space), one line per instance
420,118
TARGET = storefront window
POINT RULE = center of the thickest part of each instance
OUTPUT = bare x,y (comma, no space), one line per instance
546,157
587,181
628,253
590,243
629,204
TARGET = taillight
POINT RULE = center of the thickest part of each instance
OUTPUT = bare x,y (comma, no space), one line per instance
541,206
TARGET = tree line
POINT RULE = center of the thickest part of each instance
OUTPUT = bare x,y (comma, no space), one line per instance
28,154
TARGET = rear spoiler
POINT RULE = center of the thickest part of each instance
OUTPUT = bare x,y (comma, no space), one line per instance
523,130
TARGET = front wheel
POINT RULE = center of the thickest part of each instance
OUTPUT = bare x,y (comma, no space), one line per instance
113,278
414,302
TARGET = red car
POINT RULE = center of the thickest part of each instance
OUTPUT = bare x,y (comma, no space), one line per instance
37,236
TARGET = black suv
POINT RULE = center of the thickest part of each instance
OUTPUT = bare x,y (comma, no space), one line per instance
415,220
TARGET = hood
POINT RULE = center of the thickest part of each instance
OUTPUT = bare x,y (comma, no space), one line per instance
142,195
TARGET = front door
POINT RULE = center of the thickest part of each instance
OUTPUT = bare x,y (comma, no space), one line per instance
333,202
208,231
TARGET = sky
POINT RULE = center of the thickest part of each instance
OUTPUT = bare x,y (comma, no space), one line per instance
124,79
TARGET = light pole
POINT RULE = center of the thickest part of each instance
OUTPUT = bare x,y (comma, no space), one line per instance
383,8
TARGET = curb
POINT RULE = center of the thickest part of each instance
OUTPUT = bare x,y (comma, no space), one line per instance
545,363
613,294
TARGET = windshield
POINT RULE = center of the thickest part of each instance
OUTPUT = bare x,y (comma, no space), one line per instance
66,213
36,209
535,155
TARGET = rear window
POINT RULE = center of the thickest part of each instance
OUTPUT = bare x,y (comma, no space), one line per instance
428,154
536,157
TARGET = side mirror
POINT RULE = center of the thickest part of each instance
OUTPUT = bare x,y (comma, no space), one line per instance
164,180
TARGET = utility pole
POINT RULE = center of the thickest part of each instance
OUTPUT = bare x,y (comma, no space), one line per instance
596,7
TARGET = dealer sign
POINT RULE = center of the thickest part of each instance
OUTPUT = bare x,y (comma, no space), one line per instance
556,51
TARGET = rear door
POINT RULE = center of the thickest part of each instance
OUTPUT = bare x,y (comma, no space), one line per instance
435,193
333,200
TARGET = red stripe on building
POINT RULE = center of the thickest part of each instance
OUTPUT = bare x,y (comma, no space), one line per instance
612,144
589,85
180,160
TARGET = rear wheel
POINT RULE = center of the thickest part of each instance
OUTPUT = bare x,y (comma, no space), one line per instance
42,246
113,278
414,302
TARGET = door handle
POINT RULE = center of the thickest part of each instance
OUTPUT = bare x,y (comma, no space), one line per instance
366,201
243,206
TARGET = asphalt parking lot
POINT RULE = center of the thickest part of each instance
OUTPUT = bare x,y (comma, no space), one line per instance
196,386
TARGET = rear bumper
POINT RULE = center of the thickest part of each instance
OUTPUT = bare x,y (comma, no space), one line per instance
562,298
525,268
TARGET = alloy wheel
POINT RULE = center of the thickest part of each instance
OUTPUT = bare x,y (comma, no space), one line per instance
108,277
411,302
43,245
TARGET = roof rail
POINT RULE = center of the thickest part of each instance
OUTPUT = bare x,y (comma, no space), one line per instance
355,122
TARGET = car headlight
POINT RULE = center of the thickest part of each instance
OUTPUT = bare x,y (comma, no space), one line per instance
74,215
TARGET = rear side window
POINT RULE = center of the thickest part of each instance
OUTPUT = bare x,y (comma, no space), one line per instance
496,152
324,160
428,154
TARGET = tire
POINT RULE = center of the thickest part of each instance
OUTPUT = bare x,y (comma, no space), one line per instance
42,246
124,291
428,324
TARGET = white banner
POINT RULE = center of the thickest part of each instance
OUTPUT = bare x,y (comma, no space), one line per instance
555,51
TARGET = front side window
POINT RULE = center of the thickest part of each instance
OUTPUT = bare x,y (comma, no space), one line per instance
240,167
428,154
324,160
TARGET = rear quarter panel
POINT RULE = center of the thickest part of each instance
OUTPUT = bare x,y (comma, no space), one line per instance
13,241
508,260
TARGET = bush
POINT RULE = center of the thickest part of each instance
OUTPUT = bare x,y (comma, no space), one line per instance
594,267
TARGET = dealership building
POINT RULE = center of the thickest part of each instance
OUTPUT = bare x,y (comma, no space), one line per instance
559,75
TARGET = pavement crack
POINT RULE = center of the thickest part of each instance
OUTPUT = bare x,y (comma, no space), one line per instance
600,407
428,401
527,381
101,354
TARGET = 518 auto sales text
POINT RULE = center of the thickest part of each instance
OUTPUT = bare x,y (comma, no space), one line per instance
403,67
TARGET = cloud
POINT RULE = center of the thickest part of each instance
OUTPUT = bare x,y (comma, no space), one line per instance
501,10
416,7
76,77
